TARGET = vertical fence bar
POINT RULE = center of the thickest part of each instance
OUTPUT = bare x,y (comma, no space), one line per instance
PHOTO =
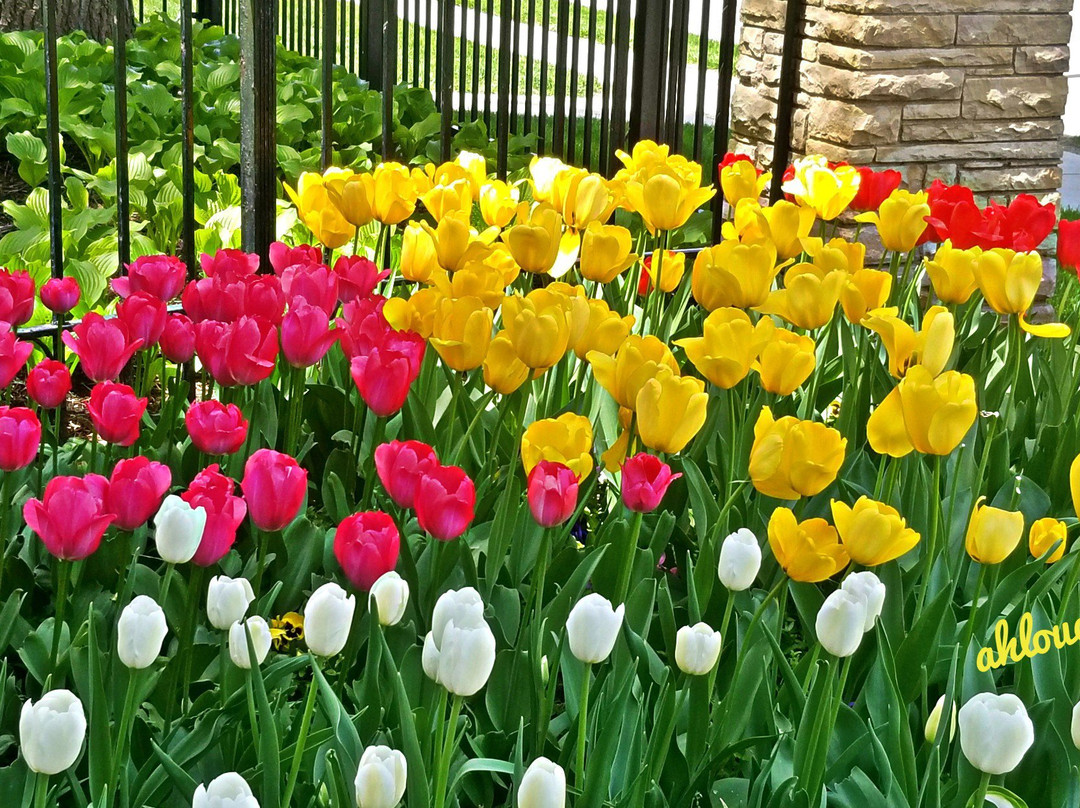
542,141
258,127
123,199
444,65
187,149
506,53
405,42
329,35
476,63
702,76
676,92
558,129
646,112
515,66
789,87
571,134
530,65
390,55
620,79
460,55
489,55
723,91
605,99
590,80
428,20
52,126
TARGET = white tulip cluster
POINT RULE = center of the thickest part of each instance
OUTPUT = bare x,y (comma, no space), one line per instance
849,612
459,651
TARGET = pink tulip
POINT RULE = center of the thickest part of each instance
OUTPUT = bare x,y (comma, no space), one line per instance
48,383
116,411
16,297
263,298
60,295
216,428
229,265
136,488
315,284
445,502
306,335
207,299
366,546
20,437
145,317
384,374
645,480
160,276
70,518
357,277
400,465
274,486
224,512
13,354
552,493
103,346
282,256
238,353
178,339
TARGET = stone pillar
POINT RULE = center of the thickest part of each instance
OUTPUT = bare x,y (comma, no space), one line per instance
970,91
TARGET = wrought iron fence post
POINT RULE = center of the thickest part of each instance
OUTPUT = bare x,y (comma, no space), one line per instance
258,126
389,75
444,75
650,62
187,111
327,119
123,202
789,88
502,137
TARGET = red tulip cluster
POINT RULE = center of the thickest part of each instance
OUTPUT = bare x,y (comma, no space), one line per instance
384,362
1021,225
444,497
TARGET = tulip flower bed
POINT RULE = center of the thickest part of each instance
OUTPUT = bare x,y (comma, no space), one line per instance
486,497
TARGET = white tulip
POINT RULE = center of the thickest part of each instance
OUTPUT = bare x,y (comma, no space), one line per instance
840,623
328,618
228,790
592,627
380,780
391,595
870,590
740,560
1076,725
459,651
178,529
696,649
995,732
260,639
933,721
227,600
543,785
140,632
51,732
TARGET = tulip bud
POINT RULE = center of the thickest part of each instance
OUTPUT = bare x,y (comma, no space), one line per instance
227,601
60,295
995,732
1076,725
140,632
840,623
51,732
645,480
696,649
740,560
228,790
260,640
543,785
274,487
933,721
178,530
868,588
552,493
381,777
327,619
459,651
391,595
545,669
592,627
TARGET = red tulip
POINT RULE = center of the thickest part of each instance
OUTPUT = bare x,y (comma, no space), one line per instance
16,297
1025,223
384,374
116,411
357,276
103,346
224,512
949,202
145,317
20,437
136,488
366,546
13,354
178,339
282,256
315,284
552,493
160,276
645,480
70,518
60,295
362,325
274,486
48,383
229,265
306,334
264,298
400,465
207,299
445,501
875,187
734,157
243,352
1068,246
216,428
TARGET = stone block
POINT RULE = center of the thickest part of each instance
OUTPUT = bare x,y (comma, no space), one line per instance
866,30
934,6
931,109
1014,179
1012,29
768,12
906,85
901,58
752,114
834,151
1015,97
1042,59
1027,150
855,123
951,130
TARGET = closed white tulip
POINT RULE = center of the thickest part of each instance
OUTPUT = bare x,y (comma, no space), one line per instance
380,780
1076,725
870,590
228,790
696,649
51,731
740,560
933,721
995,732
178,529
390,593
227,600
592,627
140,632
328,617
459,651
260,639
840,623
543,785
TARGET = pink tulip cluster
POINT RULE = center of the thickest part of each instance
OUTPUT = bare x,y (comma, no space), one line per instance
444,497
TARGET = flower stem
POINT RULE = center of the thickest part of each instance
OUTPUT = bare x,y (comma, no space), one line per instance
629,552
301,741
931,547
978,799
443,773
583,715
63,573
41,791
122,738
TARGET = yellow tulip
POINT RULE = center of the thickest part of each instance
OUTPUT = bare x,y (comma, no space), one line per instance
992,533
931,347
474,279
352,194
827,190
395,193
900,220
455,197
475,166
837,253
604,331
1074,484
785,362
671,410
418,257
582,198
865,290
787,224
809,296
567,439
417,313
540,335
645,158
1009,280
923,413
503,371
615,455
637,360
808,551
740,180
728,346
791,458
734,274
535,240
1044,534
542,171
671,269
952,272
317,212
606,252
456,243
667,198
461,332
872,532
498,203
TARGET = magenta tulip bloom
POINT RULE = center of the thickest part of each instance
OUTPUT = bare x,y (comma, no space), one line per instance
13,354
385,372
366,546
116,411
229,265
70,518
282,256
238,353
20,437
178,339
16,297
306,335
145,317
136,488
160,276
263,298
60,295
317,285
357,277
400,465
645,480
103,346
207,299
552,493
216,428
214,491
445,502
48,383
274,486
